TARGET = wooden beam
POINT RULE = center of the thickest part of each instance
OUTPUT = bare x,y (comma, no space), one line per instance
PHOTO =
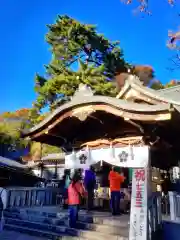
127,115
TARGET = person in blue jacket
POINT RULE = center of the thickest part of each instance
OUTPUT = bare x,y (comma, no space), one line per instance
90,184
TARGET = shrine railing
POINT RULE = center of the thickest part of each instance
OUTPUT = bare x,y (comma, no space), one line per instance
154,215
30,197
165,205
174,199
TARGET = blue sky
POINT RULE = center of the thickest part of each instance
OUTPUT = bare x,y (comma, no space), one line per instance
23,49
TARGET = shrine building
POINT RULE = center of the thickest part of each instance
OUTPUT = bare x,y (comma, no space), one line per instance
137,116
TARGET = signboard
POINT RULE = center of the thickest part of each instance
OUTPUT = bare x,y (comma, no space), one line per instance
130,157
139,205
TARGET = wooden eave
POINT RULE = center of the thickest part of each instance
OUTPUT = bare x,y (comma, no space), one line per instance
83,107
134,89
124,109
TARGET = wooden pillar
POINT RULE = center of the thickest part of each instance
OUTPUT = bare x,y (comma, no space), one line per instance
56,170
42,165
173,210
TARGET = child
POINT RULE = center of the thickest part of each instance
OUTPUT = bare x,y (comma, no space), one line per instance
75,193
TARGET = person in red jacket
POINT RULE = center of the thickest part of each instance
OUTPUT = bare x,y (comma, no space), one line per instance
115,181
76,191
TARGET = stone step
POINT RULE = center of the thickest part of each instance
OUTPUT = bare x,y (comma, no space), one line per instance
56,236
121,221
41,212
33,232
38,226
109,229
43,219
93,231
60,213
60,217
94,225
9,235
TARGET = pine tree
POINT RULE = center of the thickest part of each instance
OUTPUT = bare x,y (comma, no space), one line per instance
72,42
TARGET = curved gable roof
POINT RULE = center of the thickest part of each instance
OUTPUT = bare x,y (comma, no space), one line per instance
84,97
169,95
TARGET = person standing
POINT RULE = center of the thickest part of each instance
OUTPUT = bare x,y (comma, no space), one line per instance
66,183
115,181
76,191
3,205
90,183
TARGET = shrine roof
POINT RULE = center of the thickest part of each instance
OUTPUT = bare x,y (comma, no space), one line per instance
71,123
12,163
54,156
84,97
170,95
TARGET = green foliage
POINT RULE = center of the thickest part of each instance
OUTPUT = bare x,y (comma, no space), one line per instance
158,85
47,149
10,133
11,125
40,150
98,58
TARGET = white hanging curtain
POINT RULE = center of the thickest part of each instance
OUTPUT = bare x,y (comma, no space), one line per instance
130,157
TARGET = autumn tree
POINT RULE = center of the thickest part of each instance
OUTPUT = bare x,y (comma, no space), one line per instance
38,150
10,136
11,125
79,55
145,73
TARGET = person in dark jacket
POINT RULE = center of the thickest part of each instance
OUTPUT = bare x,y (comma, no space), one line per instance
90,183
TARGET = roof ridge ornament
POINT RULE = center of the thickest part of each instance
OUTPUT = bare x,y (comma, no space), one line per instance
135,79
83,91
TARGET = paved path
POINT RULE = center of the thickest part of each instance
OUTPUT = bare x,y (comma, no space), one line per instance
8,235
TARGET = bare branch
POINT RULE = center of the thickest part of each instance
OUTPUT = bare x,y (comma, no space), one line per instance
143,5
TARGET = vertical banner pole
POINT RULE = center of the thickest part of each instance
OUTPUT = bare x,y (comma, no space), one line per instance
139,227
